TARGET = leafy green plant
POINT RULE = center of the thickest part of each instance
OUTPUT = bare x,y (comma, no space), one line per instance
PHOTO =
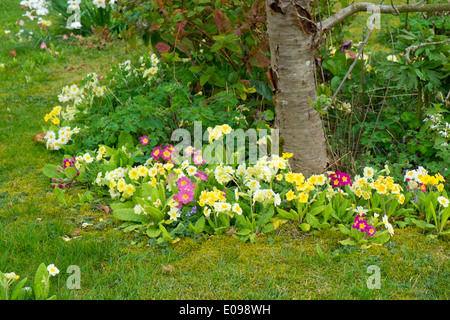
38,290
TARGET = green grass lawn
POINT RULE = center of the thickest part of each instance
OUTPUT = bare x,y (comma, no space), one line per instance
34,227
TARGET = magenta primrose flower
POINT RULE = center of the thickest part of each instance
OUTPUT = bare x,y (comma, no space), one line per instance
340,179
371,231
185,196
166,153
156,153
43,45
184,183
201,175
68,163
144,140
198,159
362,225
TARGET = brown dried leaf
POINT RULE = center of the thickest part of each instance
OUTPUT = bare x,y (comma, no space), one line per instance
258,59
162,47
222,22
168,269
231,231
39,138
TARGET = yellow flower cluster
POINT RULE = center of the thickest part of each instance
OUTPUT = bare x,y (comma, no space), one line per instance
419,179
210,197
435,180
217,132
53,115
363,187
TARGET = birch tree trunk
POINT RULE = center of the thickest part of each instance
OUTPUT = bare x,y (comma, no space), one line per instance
291,41
292,37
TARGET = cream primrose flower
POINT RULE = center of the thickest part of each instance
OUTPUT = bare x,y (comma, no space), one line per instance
174,214
388,225
100,3
236,208
369,173
253,185
443,201
52,269
266,197
87,158
138,209
222,207
207,212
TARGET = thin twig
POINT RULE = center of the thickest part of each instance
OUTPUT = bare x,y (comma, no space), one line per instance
385,94
353,64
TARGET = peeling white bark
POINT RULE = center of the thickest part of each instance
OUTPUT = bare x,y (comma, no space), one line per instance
291,54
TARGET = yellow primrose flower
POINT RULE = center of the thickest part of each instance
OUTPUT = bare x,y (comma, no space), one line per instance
142,171
401,198
130,189
299,179
55,120
279,177
312,179
382,189
121,185
287,155
303,197
47,117
290,195
133,174
112,184
289,177
396,189
440,187
366,195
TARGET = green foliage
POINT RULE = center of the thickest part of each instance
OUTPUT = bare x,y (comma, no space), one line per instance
38,289
224,42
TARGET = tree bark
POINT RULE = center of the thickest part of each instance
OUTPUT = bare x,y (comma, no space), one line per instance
291,40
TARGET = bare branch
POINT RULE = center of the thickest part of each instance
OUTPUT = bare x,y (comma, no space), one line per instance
343,14
414,48
353,64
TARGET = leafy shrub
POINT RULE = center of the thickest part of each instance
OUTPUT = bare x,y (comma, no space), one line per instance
141,98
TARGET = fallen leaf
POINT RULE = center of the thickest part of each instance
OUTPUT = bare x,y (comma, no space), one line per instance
39,138
162,47
167,269
230,232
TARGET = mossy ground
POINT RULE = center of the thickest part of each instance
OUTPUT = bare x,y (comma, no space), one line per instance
281,265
